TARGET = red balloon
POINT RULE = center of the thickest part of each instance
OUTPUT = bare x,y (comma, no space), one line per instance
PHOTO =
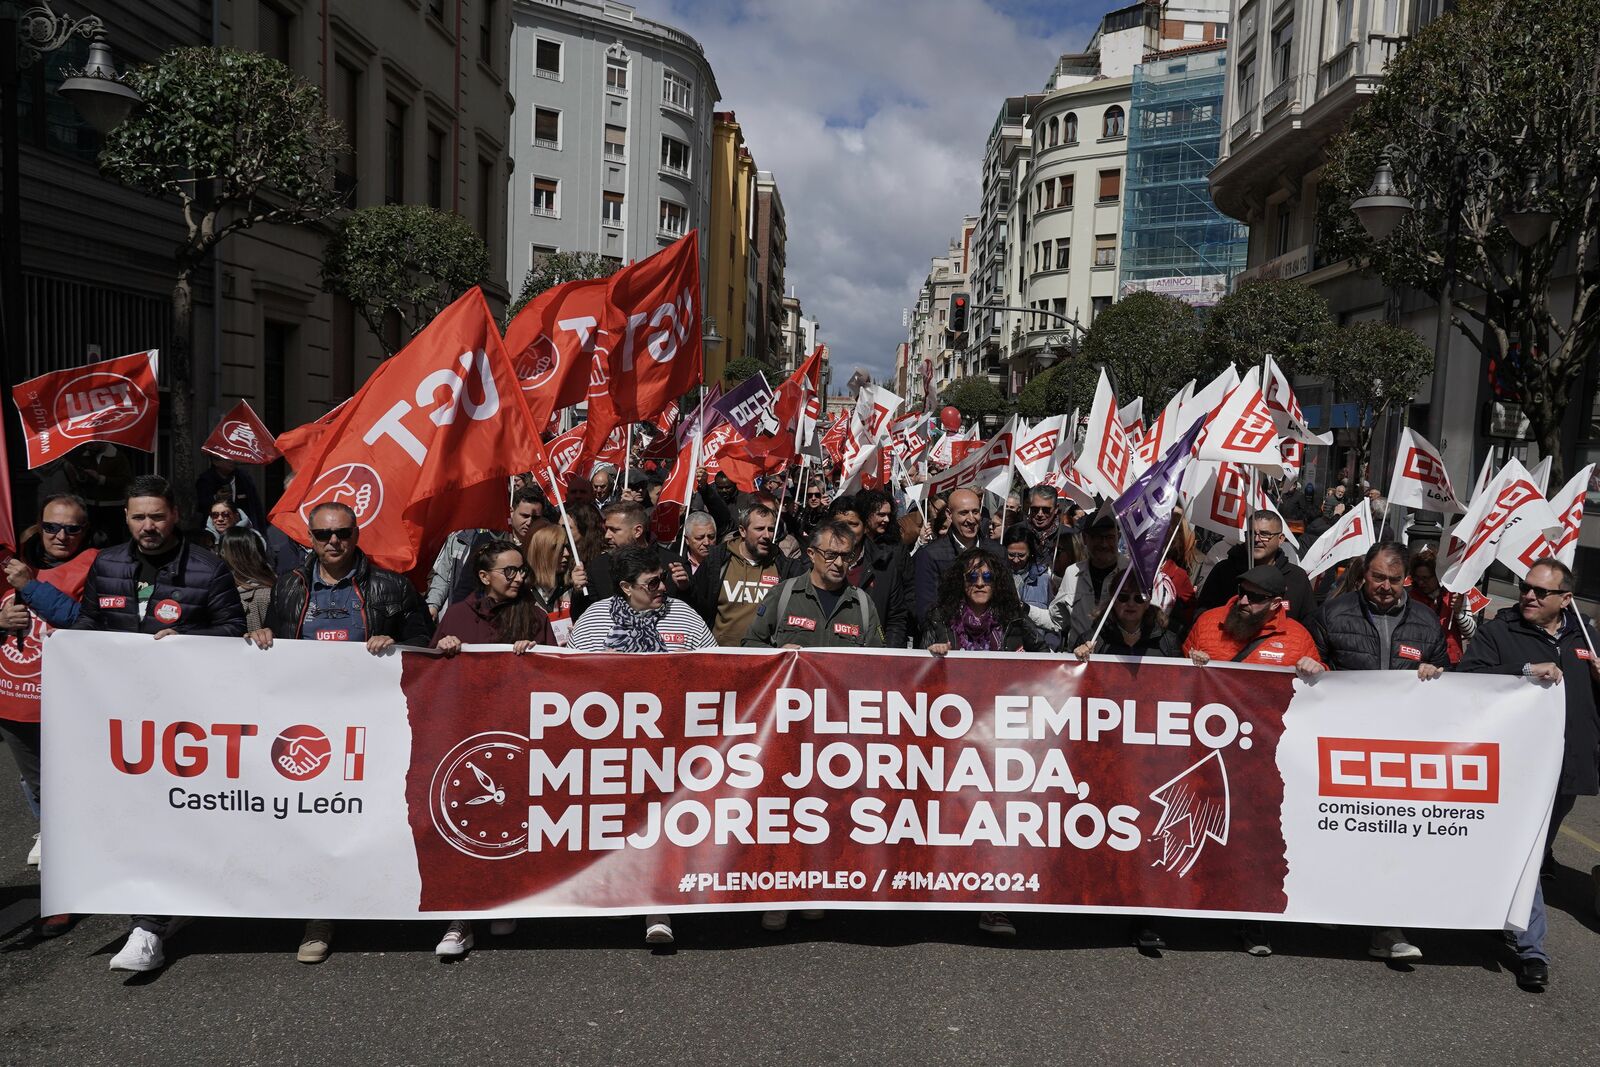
950,418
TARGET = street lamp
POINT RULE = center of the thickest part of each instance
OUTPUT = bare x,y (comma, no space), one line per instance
1528,224
98,91
1383,208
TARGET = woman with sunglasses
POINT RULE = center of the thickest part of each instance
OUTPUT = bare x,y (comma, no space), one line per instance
1137,627
503,610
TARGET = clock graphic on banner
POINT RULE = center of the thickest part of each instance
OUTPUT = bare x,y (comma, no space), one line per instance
472,809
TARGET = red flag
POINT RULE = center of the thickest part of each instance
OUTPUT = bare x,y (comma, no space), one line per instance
798,404
654,318
242,437
427,446
114,400
552,343
22,662
300,444
560,454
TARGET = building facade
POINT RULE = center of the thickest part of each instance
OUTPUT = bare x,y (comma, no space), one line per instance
612,133
727,242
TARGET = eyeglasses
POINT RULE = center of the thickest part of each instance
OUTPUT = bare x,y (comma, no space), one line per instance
984,577
71,529
1254,596
511,574
1131,598
1538,590
343,533
650,585
833,557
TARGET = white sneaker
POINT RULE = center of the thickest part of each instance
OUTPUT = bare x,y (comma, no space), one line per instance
457,940
1392,945
502,927
141,953
33,853
774,920
658,929
995,922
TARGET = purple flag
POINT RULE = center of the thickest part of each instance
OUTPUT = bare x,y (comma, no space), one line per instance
702,418
749,406
1144,510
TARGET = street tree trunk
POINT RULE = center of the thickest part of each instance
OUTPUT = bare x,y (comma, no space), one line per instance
180,397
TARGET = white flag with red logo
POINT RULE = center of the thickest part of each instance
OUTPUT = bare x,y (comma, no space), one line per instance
1132,415
115,400
1567,503
1201,404
427,446
1106,463
1420,479
1351,536
242,437
986,468
1285,408
875,406
1510,521
1242,431
1161,434
1220,498
1041,449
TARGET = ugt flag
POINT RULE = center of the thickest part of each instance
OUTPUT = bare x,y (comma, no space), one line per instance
242,437
426,447
1144,510
114,400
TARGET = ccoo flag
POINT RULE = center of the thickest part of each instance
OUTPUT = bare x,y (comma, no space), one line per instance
1144,510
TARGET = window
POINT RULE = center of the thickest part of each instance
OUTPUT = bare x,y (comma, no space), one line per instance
611,209
394,151
546,128
1285,227
546,197
274,31
617,74
677,91
1055,133
346,108
1110,185
1063,252
1343,11
1116,123
486,202
1048,191
1282,51
1069,127
1194,31
674,219
547,59
486,32
1247,81
616,142
1105,250
1064,197
1098,304
536,254
674,155
436,168
1219,31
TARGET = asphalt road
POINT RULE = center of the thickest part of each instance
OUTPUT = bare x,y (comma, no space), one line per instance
851,988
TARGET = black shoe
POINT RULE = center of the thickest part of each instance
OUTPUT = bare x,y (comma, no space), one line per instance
1535,974
1146,939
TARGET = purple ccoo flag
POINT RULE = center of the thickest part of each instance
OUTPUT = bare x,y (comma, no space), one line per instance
1144,510
749,407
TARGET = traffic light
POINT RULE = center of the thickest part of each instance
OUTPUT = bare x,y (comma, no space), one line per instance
958,313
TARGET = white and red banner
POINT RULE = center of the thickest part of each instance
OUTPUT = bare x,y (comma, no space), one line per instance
1509,521
1567,503
354,786
1106,463
1351,536
987,468
1042,448
115,400
1420,479
1241,430
242,437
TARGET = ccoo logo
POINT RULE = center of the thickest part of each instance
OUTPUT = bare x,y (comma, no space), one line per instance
353,484
99,402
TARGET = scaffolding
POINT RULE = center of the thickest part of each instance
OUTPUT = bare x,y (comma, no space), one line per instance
1173,237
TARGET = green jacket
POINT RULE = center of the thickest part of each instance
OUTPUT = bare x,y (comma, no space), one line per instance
792,615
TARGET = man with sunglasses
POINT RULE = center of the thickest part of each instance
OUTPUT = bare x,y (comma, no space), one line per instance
159,584
339,595
1254,627
1265,548
1543,638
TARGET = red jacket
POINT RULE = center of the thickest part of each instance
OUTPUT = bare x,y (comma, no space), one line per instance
1283,642
473,622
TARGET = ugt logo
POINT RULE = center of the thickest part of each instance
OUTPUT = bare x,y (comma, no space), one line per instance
99,402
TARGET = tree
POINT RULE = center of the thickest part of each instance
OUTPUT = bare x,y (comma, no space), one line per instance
402,263
1149,344
743,367
1377,366
239,140
558,268
974,397
1065,387
1286,320
1479,101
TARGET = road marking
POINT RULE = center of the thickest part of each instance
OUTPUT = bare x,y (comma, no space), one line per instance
1587,842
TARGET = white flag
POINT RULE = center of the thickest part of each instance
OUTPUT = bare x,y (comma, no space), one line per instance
1285,408
987,468
1567,504
1200,405
1132,415
1541,474
1242,431
1105,463
1420,479
1509,521
1351,536
1041,449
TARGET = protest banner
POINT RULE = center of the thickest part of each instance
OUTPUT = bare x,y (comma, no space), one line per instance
114,400
556,783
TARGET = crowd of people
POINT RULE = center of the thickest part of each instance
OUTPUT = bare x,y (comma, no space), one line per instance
793,566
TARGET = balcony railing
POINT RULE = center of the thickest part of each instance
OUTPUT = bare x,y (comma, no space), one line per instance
1276,98
1244,125
1336,69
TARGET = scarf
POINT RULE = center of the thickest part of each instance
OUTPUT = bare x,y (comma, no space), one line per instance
633,631
972,632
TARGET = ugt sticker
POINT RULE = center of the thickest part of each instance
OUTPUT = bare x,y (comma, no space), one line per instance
167,611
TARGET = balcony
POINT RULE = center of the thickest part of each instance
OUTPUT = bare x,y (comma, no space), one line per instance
1244,126
1336,69
1277,97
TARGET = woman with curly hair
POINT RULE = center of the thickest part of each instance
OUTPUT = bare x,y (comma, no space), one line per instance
978,610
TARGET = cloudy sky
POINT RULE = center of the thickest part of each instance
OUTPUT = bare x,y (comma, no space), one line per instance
872,115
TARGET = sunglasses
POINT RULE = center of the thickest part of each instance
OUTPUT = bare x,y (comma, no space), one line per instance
1254,596
1041,510
71,529
1131,598
343,533
650,585
984,577
1537,590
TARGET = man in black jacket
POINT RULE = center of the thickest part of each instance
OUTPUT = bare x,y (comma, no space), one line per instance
934,558
157,584
625,526
1264,547
338,595
1543,638
879,569
1379,627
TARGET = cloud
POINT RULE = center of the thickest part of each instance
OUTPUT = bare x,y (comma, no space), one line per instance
872,115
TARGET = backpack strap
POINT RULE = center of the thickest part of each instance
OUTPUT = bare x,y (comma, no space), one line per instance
783,600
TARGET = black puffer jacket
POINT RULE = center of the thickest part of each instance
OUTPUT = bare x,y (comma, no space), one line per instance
1347,639
1506,642
194,594
883,578
1157,644
390,607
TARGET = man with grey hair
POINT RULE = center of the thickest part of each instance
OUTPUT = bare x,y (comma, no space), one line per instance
339,595
700,534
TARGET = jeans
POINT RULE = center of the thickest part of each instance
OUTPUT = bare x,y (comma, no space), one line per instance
22,738
1530,942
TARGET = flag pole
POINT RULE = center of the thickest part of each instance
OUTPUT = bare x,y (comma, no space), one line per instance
561,507
690,482
1110,605
627,462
